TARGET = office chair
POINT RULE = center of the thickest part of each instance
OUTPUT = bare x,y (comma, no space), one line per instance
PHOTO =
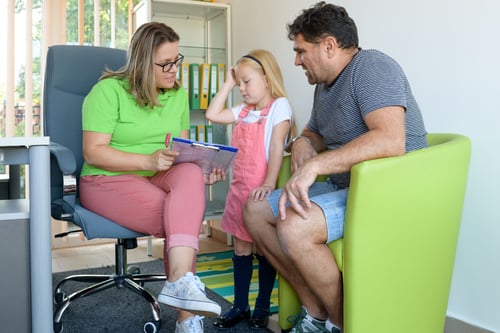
70,73
400,236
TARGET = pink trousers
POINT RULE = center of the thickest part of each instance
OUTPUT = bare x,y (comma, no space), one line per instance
170,204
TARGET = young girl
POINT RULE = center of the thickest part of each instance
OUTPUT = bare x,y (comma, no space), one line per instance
261,124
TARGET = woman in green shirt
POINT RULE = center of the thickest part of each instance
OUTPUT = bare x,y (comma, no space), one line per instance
128,175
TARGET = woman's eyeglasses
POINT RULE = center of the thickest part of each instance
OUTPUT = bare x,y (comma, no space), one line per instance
167,67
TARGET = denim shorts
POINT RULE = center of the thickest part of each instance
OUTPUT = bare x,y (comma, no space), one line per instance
330,199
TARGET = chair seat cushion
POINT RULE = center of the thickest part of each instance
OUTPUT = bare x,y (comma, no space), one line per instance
96,226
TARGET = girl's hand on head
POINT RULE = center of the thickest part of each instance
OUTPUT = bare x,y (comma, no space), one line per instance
261,192
231,76
217,175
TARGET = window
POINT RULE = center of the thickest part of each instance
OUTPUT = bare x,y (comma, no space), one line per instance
27,28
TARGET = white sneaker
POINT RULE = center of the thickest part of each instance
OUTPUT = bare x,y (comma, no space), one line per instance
304,323
188,293
190,325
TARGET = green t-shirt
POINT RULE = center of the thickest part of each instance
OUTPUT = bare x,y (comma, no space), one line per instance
110,108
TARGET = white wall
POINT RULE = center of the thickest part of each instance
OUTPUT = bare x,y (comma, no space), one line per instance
450,51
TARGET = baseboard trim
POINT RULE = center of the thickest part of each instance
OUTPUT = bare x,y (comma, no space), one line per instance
454,325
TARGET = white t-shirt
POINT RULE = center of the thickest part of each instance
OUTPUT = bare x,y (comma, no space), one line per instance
280,111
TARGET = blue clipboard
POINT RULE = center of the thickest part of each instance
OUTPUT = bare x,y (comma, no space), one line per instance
207,155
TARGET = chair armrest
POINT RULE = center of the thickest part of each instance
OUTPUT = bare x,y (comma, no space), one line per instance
62,163
65,158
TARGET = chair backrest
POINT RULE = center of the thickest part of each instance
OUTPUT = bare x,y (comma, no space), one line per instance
70,73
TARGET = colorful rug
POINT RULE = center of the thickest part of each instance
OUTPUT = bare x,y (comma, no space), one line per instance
216,272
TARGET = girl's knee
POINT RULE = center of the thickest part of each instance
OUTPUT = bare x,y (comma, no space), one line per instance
242,248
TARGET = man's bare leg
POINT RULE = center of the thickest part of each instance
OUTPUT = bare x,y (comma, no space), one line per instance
261,224
303,243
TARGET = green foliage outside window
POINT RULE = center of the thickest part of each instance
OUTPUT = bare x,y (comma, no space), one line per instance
121,22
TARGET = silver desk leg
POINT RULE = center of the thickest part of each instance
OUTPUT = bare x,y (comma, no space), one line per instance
40,243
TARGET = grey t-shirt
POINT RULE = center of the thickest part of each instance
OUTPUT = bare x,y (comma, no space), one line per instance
372,80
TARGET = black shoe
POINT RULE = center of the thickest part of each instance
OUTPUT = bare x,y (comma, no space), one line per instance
232,317
259,323
260,319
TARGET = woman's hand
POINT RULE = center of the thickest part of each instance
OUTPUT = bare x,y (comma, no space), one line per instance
162,159
261,192
215,176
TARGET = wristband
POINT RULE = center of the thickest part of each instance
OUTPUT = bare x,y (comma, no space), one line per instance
290,144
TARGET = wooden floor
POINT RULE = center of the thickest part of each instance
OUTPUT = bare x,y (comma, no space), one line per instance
72,258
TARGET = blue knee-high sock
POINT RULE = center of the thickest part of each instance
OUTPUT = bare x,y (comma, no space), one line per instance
267,277
242,274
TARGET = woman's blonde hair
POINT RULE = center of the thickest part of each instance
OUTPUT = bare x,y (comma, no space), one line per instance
139,69
265,62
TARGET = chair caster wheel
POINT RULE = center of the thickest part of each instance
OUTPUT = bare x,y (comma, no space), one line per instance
152,327
133,269
59,297
58,327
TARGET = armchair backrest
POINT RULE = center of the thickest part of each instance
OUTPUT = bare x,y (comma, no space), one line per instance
400,235
70,73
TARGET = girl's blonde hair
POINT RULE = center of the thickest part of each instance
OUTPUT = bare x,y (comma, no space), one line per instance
139,69
265,62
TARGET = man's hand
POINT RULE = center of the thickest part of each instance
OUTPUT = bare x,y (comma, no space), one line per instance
302,150
295,191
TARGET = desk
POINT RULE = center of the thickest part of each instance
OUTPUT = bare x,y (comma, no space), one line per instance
34,151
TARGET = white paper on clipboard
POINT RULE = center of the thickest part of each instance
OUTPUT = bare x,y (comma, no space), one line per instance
207,155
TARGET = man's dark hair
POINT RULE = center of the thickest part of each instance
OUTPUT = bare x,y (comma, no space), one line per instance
322,20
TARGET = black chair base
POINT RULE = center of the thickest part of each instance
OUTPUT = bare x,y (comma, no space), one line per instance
125,277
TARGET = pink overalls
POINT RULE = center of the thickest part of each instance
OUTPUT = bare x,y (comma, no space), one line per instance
249,169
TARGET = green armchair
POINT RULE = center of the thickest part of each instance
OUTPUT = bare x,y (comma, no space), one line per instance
400,236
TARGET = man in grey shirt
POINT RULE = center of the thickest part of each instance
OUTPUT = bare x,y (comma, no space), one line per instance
363,109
